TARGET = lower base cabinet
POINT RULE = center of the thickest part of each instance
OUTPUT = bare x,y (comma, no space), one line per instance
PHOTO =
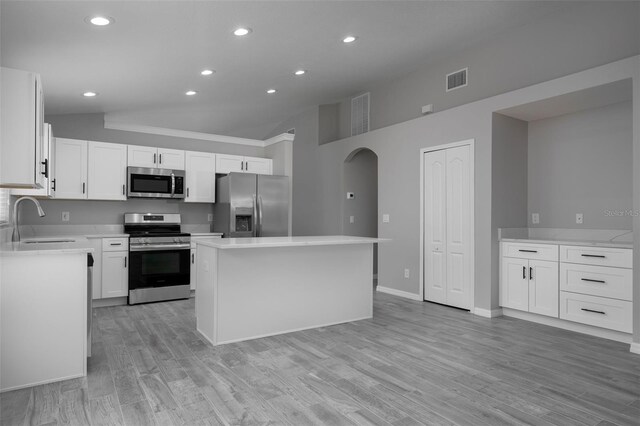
115,274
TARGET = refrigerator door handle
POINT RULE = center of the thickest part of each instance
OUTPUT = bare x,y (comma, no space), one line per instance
255,217
260,214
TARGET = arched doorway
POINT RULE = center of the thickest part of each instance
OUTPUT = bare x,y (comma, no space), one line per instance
360,197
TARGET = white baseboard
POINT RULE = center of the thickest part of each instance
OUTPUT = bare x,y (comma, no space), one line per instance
569,325
635,348
399,293
487,313
112,301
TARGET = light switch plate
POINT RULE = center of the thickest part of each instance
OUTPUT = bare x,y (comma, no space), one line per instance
385,218
352,219
579,218
535,218
210,217
406,273
65,216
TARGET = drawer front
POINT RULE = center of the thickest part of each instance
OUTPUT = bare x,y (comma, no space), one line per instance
599,256
530,251
597,311
115,244
603,281
193,242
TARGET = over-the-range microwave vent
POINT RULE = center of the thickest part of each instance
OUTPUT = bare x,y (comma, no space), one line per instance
360,114
457,79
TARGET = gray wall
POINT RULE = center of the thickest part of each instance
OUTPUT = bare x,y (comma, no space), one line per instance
587,34
508,181
582,163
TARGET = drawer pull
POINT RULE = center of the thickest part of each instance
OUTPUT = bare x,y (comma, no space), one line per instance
116,244
529,251
593,281
595,312
600,256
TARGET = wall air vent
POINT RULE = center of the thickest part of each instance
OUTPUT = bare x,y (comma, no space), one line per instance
457,79
360,114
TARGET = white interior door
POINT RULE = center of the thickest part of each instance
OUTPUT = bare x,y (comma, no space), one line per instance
435,274
458,226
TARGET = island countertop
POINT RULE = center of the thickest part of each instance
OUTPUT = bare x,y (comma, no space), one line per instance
264,242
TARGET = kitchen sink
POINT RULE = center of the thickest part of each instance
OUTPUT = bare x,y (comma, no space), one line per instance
48,241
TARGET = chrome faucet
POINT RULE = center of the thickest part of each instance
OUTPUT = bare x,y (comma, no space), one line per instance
15,237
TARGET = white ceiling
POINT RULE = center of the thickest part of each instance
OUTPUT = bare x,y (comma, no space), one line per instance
142,65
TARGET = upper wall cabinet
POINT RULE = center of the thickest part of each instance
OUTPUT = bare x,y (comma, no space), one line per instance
47,165
21,116
200,173
162,158
71,168
107,170
234,163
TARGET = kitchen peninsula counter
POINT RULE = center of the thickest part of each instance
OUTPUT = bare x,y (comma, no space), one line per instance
255,287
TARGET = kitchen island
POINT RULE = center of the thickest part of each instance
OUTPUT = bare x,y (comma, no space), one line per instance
256,287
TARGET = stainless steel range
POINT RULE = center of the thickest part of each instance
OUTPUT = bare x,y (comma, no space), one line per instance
159,263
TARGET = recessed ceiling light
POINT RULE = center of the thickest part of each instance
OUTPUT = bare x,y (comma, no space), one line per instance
300,72
90,94
242,31
207,72
100,21
190,92
271,91
349,39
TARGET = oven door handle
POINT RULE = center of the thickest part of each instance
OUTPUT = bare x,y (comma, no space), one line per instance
159,247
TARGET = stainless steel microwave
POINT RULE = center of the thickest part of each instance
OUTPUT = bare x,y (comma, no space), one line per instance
146,182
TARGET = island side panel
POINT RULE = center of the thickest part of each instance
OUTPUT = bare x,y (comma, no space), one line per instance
274,290
206,299
43,322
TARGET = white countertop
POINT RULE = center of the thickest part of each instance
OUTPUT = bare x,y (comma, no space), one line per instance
206,234
538,240
265,242
78,245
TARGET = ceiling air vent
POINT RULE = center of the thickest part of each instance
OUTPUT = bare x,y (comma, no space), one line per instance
360,114
457,79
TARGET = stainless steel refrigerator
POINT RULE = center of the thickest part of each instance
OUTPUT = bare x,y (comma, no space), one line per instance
250,205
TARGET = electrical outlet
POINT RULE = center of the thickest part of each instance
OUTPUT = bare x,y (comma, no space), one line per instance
535,218
352,219
65,216
579,218
385,218
406,273
210,217
350,195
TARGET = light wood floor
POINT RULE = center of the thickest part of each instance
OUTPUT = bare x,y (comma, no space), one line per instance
413,363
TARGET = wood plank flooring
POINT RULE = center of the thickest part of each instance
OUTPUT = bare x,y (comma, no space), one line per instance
413,363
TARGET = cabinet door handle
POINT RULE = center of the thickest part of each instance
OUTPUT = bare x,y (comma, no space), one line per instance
160,158
187,192
193,258
246,166
154,158
83,186
122,189
529,251
125,262
593,255
530,273
45,163
593,281
242,165
53,185
524,272
594,311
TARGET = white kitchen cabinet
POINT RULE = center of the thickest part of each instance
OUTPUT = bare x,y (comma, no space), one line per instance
115,273
527,283
152,157
193,269
107,170
142,156
96,282
70,168
226,164
47,168
22,118
200,173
